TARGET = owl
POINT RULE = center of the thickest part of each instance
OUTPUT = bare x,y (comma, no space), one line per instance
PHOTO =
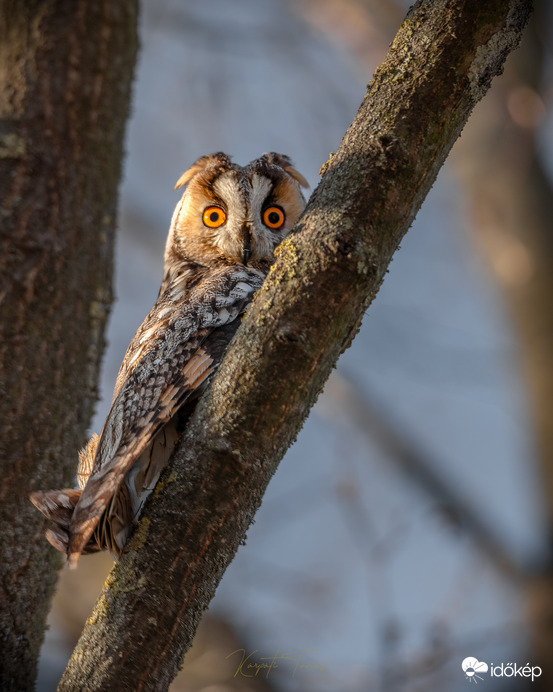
219,250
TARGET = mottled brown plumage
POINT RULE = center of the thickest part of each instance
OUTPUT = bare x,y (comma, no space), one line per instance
219,249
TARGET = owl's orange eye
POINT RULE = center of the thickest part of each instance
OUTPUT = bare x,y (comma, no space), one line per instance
273,217
214,217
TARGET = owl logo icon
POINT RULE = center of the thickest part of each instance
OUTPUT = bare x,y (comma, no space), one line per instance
472,667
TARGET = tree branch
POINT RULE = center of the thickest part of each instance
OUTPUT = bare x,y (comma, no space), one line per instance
326,274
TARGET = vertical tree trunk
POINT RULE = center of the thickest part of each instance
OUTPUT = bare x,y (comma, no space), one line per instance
65,74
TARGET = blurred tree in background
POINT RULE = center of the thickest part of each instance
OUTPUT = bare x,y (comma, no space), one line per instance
501,163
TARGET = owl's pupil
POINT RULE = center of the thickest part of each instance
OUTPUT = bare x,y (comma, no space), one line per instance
214,216
274,217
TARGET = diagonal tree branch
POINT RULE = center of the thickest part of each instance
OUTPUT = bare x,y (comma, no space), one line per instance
326,274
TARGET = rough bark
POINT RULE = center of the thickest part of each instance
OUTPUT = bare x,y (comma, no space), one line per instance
326,274
65,73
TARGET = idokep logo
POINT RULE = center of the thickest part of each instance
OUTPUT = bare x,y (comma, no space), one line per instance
474,670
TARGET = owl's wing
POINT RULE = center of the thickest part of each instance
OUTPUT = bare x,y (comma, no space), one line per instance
175,363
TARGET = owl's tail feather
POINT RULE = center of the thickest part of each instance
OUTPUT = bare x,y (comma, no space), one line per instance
58,507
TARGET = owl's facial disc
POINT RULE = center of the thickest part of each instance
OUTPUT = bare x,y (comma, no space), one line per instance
233,213
242,237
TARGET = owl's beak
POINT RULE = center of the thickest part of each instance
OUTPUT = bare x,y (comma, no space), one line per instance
246,237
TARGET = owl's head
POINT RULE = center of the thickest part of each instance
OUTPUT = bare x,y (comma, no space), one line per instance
235,214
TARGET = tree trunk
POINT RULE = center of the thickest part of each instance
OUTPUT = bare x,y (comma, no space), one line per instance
65,74
326,274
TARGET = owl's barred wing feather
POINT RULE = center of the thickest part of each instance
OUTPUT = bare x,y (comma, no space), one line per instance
133,440
125,503
161,380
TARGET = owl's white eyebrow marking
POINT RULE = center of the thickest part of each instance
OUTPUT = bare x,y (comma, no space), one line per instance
227,238
261,187
228,188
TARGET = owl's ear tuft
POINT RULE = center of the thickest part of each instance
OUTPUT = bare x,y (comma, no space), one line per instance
286,164
219,159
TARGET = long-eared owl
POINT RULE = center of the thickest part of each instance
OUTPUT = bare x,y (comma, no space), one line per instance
219,250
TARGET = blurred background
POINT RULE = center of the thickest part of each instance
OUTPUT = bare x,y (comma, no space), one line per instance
407,529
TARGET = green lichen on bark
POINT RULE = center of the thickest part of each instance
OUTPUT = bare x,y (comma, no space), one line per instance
100,611
12,146
140,533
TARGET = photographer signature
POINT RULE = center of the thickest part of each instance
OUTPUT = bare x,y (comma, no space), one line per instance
250,668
